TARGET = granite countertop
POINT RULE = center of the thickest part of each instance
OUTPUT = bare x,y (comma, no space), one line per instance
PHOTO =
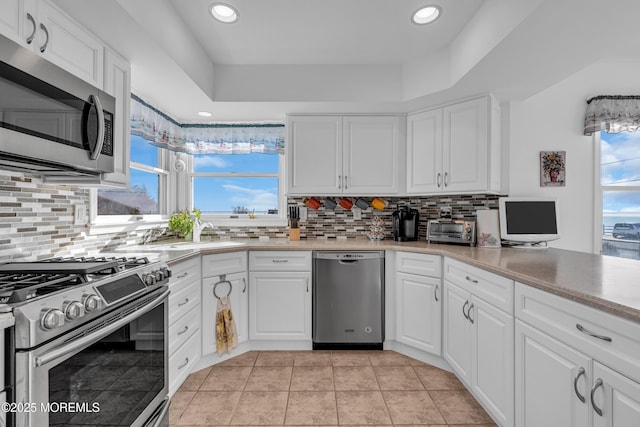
607,283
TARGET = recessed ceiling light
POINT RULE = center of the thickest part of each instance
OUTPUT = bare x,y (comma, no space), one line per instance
204,113
223,12
425,15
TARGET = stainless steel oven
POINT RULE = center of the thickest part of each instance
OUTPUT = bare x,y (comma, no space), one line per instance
101,358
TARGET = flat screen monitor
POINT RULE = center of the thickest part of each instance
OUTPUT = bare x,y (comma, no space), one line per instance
528,221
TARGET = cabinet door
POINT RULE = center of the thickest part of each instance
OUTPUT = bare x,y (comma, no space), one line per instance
457,331
117,83
12,20
418,312
424,152
280,305
238,292
551,381
618,398
465,143
493,359
371,155
314,155
67,44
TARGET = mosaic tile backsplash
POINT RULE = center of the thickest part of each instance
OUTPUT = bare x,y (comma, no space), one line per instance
36,220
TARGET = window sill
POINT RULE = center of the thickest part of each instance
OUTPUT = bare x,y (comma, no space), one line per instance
109,226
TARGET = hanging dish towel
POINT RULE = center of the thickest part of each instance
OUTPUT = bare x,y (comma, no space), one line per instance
226,336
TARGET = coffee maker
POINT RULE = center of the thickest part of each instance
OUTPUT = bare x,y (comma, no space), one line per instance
405,224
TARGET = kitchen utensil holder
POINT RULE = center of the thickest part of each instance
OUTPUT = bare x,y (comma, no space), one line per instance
294,234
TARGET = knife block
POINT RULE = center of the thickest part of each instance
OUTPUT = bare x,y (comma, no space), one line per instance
294,234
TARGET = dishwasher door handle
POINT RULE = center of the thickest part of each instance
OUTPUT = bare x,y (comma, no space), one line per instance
348,261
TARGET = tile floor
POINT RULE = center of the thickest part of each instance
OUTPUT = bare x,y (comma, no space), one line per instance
328,388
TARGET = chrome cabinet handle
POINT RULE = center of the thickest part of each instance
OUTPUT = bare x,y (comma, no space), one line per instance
439,179
580,373
597,384
184,331
186,301
469,314
46,42
35,27
279,261
307,284
345,182
186,362
592,334
464,313
183,275
446,179
471,280
245,285
339,182
435,293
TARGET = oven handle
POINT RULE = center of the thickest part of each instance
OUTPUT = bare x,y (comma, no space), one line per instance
101,333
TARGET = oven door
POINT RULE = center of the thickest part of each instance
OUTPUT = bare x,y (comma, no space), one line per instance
111,371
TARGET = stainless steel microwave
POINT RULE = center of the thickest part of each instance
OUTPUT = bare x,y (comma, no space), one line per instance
51,122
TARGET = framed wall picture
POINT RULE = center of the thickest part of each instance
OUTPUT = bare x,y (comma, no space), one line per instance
553,168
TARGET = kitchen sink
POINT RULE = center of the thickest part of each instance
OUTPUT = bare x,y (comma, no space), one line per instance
191,245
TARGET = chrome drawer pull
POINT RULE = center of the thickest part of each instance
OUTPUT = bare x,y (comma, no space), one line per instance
184,331
279,260
186,362
581,372
464,313
593,334
186,301
471,280
183,275
597,384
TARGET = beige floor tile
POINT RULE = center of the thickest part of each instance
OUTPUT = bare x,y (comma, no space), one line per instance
389,358
361,408
397,378
260,408
194,381
179,403
412,407
269,378
313,358
459,407
437,379
312,408
312,378
210,407
226,378
244,359
275,358
354,378
350,358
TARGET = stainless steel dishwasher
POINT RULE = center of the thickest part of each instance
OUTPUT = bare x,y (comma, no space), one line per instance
348,299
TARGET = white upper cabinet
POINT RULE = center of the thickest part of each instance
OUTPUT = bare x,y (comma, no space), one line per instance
455,149
42,27
344,155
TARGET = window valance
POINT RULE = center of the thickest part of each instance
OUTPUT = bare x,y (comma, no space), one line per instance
219,138
613,114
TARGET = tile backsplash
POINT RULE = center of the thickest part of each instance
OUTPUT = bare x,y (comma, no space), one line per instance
37,219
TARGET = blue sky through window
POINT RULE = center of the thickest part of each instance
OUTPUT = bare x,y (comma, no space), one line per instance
620,167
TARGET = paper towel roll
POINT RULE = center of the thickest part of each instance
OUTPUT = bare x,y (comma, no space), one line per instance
488,228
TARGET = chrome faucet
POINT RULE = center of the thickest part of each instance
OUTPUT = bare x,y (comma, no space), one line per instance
198,226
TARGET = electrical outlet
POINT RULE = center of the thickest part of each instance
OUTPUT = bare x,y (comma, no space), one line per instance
80,215
357,213
303,213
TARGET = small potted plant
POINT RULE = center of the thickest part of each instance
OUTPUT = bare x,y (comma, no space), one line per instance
183,221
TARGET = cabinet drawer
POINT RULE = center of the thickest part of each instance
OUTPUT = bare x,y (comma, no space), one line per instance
494,289
182,299
561,318
280,261
227,263
420,264
184,271
182,329
182,362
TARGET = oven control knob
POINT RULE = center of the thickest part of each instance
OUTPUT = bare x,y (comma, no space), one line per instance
73,309
149,279
159,275
51,318
91,302
167,272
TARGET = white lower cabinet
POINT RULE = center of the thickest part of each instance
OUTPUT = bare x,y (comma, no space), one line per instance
478,343
616,397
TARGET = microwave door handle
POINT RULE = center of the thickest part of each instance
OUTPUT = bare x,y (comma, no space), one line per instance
80,343
100,140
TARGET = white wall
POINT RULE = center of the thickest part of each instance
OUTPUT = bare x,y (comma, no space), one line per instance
553,120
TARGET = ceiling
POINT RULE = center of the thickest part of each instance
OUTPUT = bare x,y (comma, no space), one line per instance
345,56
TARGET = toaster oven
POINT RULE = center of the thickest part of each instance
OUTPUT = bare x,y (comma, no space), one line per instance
451,231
